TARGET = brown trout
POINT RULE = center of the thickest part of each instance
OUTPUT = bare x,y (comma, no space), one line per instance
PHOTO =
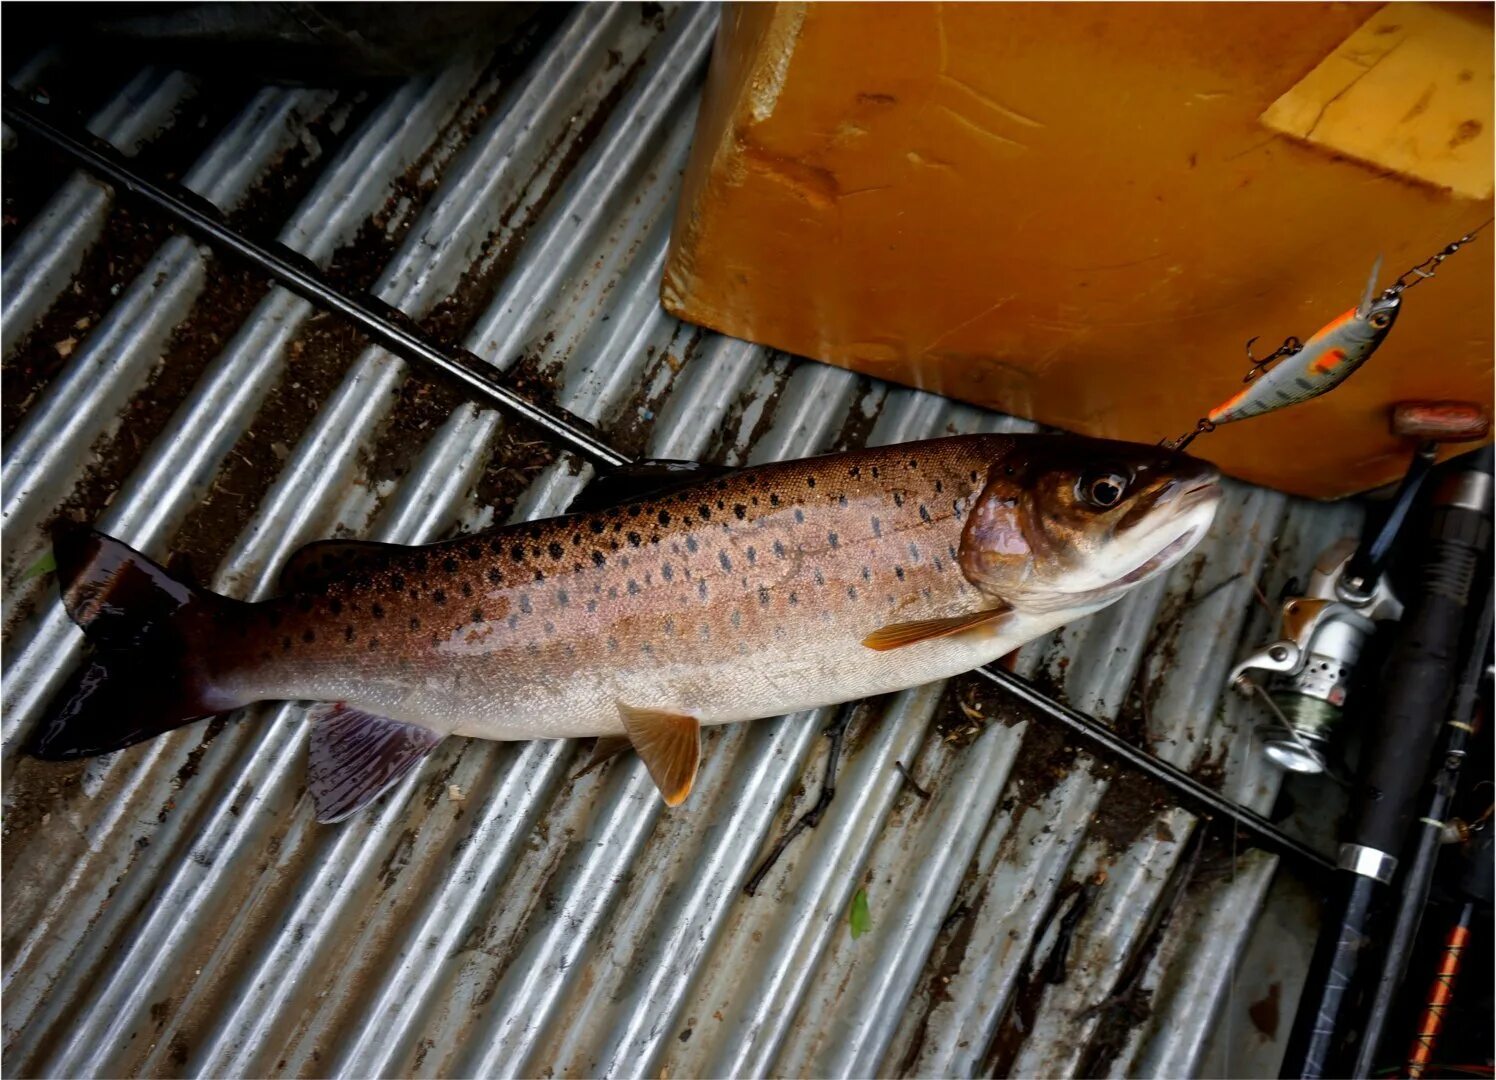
766,591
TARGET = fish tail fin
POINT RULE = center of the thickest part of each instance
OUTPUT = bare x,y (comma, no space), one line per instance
146,673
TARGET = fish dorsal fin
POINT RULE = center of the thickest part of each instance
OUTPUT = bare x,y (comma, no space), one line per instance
897,635
313,566
604,750
356,756
670,745
1364,307
639,480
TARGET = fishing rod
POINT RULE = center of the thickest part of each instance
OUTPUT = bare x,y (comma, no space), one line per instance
394,331
387,326
1410,709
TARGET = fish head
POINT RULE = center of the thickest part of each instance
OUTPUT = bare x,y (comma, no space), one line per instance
1071,523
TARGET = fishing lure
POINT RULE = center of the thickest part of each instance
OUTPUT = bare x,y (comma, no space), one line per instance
1298,370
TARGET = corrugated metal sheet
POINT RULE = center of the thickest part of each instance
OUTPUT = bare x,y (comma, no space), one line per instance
174,910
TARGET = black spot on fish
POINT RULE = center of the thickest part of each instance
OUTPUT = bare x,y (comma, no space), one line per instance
724,560
598,558
533,532
477,614
612,592
939,487
753,499
561,598
867,573
833,540
973,476
439,596
705,511
398,582
877,527
739,511
474,551
773,499
495,547
550,628
347,633
898,498
914,463
855,471
494,577
737,617
634,511
898,572
555,550
633,587
335,606
914,552
596,526
415,623
924,515
635,539
517,553
810,481
820,578
778,550
539,575
576,539
373,643
663,517
667,572
449,564
875,472
512,621
691,544
669,627
612,644
591,606
799,516
467,589
851,592
763,596
701,588
794,599
376,611
614,545
752,555
524,603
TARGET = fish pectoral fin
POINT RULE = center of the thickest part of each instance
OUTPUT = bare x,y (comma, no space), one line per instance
604,750
356,756
897,635
313,565
670,745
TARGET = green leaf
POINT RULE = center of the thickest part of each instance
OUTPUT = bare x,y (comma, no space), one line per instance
45,565
859,921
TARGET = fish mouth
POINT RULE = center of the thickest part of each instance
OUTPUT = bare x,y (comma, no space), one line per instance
1180,544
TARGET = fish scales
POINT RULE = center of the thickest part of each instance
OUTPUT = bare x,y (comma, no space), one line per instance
746,595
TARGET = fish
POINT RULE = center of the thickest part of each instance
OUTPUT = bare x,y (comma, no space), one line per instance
744,594
1322,363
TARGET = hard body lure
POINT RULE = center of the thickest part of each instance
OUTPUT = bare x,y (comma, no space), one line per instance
1307,369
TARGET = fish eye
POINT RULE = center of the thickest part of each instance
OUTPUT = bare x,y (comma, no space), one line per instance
1102,489
1381,320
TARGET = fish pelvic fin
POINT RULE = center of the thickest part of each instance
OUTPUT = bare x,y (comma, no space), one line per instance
604,750
355,757
897,635
670,746
146,673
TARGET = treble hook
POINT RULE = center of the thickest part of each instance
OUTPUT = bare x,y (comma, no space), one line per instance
1290,346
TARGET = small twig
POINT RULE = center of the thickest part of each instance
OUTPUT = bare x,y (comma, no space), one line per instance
908,779
835,731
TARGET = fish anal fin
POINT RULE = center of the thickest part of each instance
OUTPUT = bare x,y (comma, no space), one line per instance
670,746
312,566
356,756
604,750
897,635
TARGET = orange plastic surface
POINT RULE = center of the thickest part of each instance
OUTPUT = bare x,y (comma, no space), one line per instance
1076,213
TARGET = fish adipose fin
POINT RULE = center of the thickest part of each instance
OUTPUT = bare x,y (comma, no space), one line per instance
312,566
145,674
356,756
640,480
897,635
670,745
